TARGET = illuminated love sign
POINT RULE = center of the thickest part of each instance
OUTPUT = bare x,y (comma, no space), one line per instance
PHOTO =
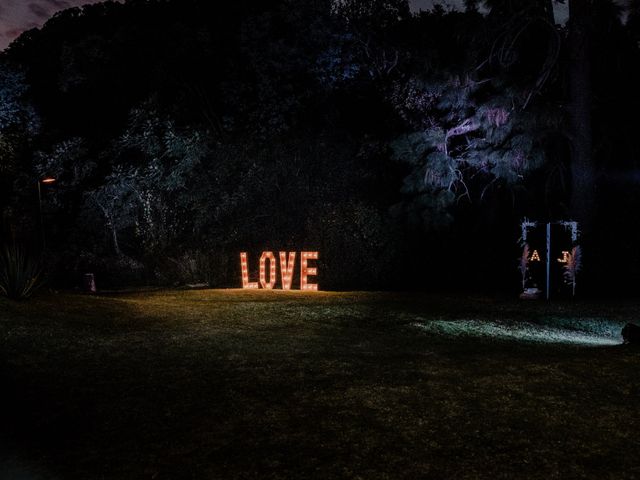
287,267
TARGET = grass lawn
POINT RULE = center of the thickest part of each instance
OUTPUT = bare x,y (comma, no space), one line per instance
271,385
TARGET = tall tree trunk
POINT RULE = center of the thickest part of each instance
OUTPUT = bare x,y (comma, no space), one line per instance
114,236
582,165
548,6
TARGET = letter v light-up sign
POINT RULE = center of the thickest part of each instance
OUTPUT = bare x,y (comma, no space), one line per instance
287,267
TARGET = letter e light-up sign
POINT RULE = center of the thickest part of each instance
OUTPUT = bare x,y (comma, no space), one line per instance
287,267
306,271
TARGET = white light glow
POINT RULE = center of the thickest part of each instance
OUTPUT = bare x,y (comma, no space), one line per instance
590,335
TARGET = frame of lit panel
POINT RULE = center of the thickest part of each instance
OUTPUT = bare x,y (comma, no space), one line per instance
570,225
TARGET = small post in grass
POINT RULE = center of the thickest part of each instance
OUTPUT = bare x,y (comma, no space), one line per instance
548,257
89,283
43,181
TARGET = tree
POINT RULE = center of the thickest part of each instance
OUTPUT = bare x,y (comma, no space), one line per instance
471,5
583,178
471,136
633,20
512,8
481,122
19,124
371,25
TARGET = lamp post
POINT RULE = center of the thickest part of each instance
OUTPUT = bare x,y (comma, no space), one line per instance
43,181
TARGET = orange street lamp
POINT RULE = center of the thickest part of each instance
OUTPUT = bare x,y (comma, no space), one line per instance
43,181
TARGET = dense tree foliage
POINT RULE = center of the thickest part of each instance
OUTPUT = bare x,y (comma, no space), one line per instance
183,131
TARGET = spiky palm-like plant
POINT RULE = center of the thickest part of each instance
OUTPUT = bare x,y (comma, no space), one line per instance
20,273
572,267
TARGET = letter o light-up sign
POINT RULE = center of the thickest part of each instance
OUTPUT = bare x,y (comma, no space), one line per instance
272,270
287,267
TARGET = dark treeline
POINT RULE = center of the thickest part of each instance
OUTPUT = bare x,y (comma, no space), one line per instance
406,148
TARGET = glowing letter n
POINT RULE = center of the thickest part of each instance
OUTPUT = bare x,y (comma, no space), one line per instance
245,272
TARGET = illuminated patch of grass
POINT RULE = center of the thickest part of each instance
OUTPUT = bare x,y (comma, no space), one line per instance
585,333
239,384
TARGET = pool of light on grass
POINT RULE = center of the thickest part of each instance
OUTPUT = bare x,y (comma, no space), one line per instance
594,332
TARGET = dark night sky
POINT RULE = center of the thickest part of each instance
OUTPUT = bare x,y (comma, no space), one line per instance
17,16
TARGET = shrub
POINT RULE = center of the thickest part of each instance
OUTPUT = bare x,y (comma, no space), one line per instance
191,267
357,243
20,272
111,270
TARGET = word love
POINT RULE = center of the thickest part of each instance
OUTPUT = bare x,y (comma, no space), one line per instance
287,266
